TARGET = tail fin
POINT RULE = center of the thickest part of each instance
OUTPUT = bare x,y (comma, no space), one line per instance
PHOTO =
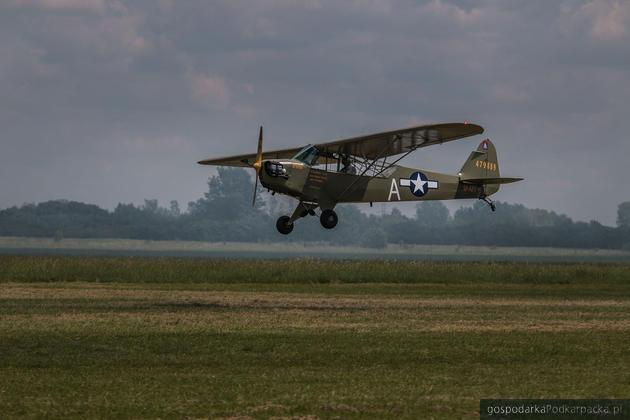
481,169
482,163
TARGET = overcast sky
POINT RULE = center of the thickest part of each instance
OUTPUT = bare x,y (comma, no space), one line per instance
108,101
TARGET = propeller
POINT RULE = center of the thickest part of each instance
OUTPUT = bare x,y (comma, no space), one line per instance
258,163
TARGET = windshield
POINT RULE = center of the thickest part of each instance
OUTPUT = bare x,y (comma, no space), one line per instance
307,155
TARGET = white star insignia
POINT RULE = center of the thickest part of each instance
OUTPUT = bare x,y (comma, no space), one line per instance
418,184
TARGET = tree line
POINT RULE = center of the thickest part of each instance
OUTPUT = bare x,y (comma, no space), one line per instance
225,213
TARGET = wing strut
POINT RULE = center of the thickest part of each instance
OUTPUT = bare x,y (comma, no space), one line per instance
382,169
394,162
367,168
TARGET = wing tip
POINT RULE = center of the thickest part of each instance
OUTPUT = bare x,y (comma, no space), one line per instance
478,128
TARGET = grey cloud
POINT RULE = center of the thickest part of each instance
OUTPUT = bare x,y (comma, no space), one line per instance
116,90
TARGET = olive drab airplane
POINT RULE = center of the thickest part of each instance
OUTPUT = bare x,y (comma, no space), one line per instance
357,170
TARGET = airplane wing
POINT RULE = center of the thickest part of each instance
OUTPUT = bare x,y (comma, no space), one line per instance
249,159
370,146
395,142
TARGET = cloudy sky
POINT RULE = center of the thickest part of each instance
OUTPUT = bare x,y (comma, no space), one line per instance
108,101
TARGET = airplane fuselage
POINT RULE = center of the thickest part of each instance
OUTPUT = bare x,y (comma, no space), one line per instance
398,183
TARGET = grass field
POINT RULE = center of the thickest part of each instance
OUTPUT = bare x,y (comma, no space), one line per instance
283,250
191,338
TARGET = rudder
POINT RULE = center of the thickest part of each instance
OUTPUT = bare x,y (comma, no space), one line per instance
482,163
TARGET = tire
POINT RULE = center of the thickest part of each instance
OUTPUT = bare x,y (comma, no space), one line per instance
328,219
283,226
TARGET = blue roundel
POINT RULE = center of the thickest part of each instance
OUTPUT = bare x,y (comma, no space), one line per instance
418,184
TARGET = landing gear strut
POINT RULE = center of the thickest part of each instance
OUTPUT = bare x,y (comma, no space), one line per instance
284,224
328,219
490,203
482,196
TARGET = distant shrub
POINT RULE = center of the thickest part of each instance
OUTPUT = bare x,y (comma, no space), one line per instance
374,238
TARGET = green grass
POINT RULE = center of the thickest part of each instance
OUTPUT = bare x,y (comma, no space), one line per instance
288,250
301,271
169,338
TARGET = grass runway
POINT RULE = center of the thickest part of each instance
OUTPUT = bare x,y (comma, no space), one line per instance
188,338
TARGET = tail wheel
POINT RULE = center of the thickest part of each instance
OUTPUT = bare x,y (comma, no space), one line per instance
328,219
283,225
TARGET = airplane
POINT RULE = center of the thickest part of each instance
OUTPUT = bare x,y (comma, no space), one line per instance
357,170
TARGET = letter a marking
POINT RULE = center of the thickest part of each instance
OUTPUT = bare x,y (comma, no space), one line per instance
393,190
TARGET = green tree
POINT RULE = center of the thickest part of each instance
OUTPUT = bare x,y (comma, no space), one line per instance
150,206
374,238
623,215
432,213
175,208
229,196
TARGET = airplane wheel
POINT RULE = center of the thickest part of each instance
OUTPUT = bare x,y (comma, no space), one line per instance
283,225
328,219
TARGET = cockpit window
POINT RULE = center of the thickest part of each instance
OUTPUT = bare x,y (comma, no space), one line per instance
307,155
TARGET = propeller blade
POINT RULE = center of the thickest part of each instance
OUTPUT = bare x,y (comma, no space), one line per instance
258,162
255,189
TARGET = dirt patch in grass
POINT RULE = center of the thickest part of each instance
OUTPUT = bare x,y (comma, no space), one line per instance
281,300
273,316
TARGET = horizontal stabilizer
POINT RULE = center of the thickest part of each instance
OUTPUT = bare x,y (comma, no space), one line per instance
486,181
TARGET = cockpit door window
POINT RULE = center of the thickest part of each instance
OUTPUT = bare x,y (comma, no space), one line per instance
307,155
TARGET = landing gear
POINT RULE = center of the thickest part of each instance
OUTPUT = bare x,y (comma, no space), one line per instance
306,212
488,201
283,225
481,194
328,219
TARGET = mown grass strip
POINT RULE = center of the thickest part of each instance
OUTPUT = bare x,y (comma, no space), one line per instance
169,338
301,271
327,373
